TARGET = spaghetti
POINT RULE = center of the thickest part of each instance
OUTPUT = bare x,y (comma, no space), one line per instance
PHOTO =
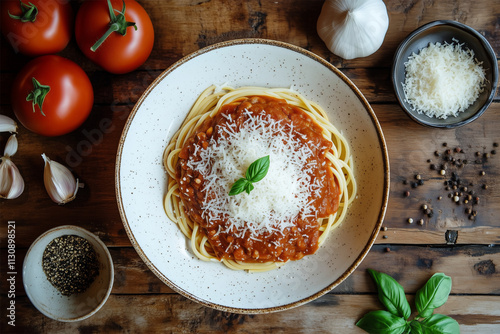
290,213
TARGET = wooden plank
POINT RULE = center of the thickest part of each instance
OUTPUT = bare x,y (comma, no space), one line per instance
407,161
175,314
96,142
406,16
126,89
484,235
182,27
472,269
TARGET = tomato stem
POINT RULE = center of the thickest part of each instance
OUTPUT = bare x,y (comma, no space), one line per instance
28,12
38,94
117,24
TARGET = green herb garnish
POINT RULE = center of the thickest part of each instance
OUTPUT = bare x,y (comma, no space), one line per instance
255,172
396,318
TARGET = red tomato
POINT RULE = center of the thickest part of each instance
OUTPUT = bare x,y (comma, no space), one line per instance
118,53
66,105
49,31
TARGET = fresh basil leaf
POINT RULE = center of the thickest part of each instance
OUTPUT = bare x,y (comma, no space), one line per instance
440,324
382,322
416,327
391,294
433,294
258,169
238,187
249,187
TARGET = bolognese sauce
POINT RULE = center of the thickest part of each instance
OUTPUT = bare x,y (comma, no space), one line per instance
292,242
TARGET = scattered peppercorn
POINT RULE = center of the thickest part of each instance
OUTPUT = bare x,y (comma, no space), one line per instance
449,162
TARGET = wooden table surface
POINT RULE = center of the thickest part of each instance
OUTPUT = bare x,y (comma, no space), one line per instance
449,242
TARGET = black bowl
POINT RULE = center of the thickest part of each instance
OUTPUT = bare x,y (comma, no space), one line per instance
446,31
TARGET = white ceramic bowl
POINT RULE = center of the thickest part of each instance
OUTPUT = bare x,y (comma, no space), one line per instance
45,296
141,180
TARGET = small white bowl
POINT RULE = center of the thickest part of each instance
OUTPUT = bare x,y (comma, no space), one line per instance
47,299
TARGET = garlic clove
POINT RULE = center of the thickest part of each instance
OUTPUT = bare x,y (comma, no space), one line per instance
11,146
11,181
7,124
353,28
59,181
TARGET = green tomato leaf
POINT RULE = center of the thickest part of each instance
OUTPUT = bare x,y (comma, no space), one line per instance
433,294
239,187
440,324
258,169
38,94
382,322
391,294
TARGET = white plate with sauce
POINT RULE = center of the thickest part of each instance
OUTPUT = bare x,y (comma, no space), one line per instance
141,180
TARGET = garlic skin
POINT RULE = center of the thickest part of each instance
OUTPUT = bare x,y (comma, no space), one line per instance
7,124
11,181
353,28
59,182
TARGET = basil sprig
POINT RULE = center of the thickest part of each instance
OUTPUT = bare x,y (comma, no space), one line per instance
255,172
396,318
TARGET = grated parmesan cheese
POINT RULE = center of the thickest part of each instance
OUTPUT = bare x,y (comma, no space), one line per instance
277,199
443,80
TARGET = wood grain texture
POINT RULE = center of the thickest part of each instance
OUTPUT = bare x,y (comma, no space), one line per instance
96,142
466,249
174,314
472,268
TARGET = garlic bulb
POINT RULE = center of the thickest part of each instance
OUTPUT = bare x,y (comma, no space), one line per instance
353,28
59,182
11,181
7,124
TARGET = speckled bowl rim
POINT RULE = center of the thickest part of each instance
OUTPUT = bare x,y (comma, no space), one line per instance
385,197
397,61
89,235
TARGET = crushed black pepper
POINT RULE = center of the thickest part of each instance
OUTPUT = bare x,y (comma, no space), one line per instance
70,264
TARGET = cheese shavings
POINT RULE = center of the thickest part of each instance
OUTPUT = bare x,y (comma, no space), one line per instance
443,80
279,198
